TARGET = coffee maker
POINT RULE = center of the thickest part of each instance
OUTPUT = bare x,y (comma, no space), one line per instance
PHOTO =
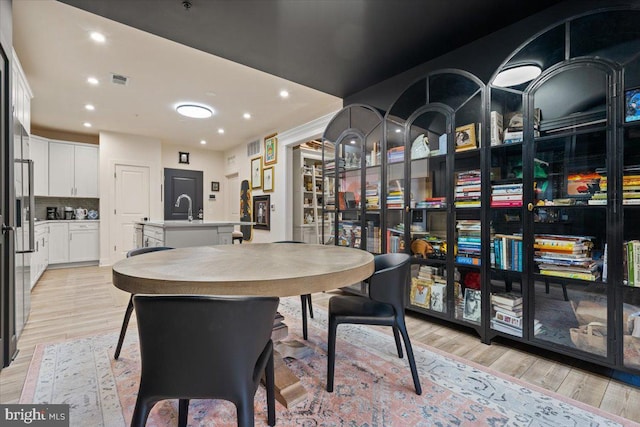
52,212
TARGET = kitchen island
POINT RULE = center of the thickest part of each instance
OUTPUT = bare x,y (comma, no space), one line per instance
181,234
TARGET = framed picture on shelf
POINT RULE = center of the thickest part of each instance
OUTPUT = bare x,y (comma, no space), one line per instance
271,149
261,212
466,137
256,172
267,179
420,293
471,305
632,105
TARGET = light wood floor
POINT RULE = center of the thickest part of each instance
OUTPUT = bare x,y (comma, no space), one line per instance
75,302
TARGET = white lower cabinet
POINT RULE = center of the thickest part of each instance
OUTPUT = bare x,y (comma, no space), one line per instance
40,256
58,242
74,242
84,242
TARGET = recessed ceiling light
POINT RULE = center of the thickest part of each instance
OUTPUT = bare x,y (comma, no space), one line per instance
86,124
353,141
89,107
195,111
398,130
92,80
220,131
517,75
246,116
97,37
284,94
203,142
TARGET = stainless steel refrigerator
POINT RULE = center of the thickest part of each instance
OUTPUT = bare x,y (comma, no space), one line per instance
24,232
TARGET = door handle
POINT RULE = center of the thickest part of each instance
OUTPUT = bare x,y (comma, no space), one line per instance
6,228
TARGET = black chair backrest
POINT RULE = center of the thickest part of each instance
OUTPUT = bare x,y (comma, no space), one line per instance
198,345
288,241
388,282
140,251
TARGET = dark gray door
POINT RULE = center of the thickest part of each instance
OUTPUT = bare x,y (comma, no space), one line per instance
177,182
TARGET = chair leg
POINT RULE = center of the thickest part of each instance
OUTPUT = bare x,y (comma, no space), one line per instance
270,385
303,300
412,361
244,409
141,411
183,412
310,305
396,336
331,352
125,324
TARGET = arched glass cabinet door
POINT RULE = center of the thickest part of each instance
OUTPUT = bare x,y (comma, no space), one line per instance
352,160
434,189
566,167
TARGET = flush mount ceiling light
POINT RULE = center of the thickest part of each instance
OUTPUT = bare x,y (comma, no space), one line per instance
284,94
203,142
86,124
246,116
97,37
195,111
92,81
89,107
220,131
517,75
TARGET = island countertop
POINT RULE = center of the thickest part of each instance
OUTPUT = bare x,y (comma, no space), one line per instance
194,223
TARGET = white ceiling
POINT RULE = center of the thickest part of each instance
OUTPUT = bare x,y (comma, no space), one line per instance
53,45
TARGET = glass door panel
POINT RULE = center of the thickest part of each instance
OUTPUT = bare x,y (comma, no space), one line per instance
568,173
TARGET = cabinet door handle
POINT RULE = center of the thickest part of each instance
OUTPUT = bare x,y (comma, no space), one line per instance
530,207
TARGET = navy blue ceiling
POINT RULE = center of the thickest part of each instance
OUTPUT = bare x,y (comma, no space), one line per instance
336,46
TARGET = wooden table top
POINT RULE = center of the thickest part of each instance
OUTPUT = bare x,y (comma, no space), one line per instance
267,269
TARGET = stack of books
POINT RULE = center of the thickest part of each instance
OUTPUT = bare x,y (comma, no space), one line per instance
468,191
432,203
373,197
631,263
507,313
565,256
631,185
469,241
395,195
395,154
507,252
506,195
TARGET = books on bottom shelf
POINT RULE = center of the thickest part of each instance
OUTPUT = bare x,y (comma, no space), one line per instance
506,299
507,329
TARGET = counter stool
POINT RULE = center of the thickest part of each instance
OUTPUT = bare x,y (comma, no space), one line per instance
236,235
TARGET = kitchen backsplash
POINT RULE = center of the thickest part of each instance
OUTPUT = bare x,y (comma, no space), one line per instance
60,202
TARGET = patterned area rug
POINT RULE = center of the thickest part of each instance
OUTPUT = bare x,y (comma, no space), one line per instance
373,387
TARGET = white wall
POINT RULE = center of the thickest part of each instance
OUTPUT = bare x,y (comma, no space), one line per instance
132,150
211,163
237,161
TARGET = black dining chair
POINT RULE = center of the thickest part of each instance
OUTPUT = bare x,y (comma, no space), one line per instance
304,299
383,306
205,347
129,310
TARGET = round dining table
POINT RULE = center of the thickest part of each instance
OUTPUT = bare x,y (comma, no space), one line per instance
259,269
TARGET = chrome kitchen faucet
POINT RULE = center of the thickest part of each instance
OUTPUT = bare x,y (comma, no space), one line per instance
189,211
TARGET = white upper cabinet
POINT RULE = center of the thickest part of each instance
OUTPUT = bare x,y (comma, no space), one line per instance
39,153
20,94
73,170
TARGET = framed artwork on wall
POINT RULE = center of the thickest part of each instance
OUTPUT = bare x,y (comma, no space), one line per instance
215,186
183,157
261,212
271,149
267,179
256,172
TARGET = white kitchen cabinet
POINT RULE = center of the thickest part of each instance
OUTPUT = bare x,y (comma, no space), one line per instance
39,153
21,94
84,242
58,242
40,256
73,169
